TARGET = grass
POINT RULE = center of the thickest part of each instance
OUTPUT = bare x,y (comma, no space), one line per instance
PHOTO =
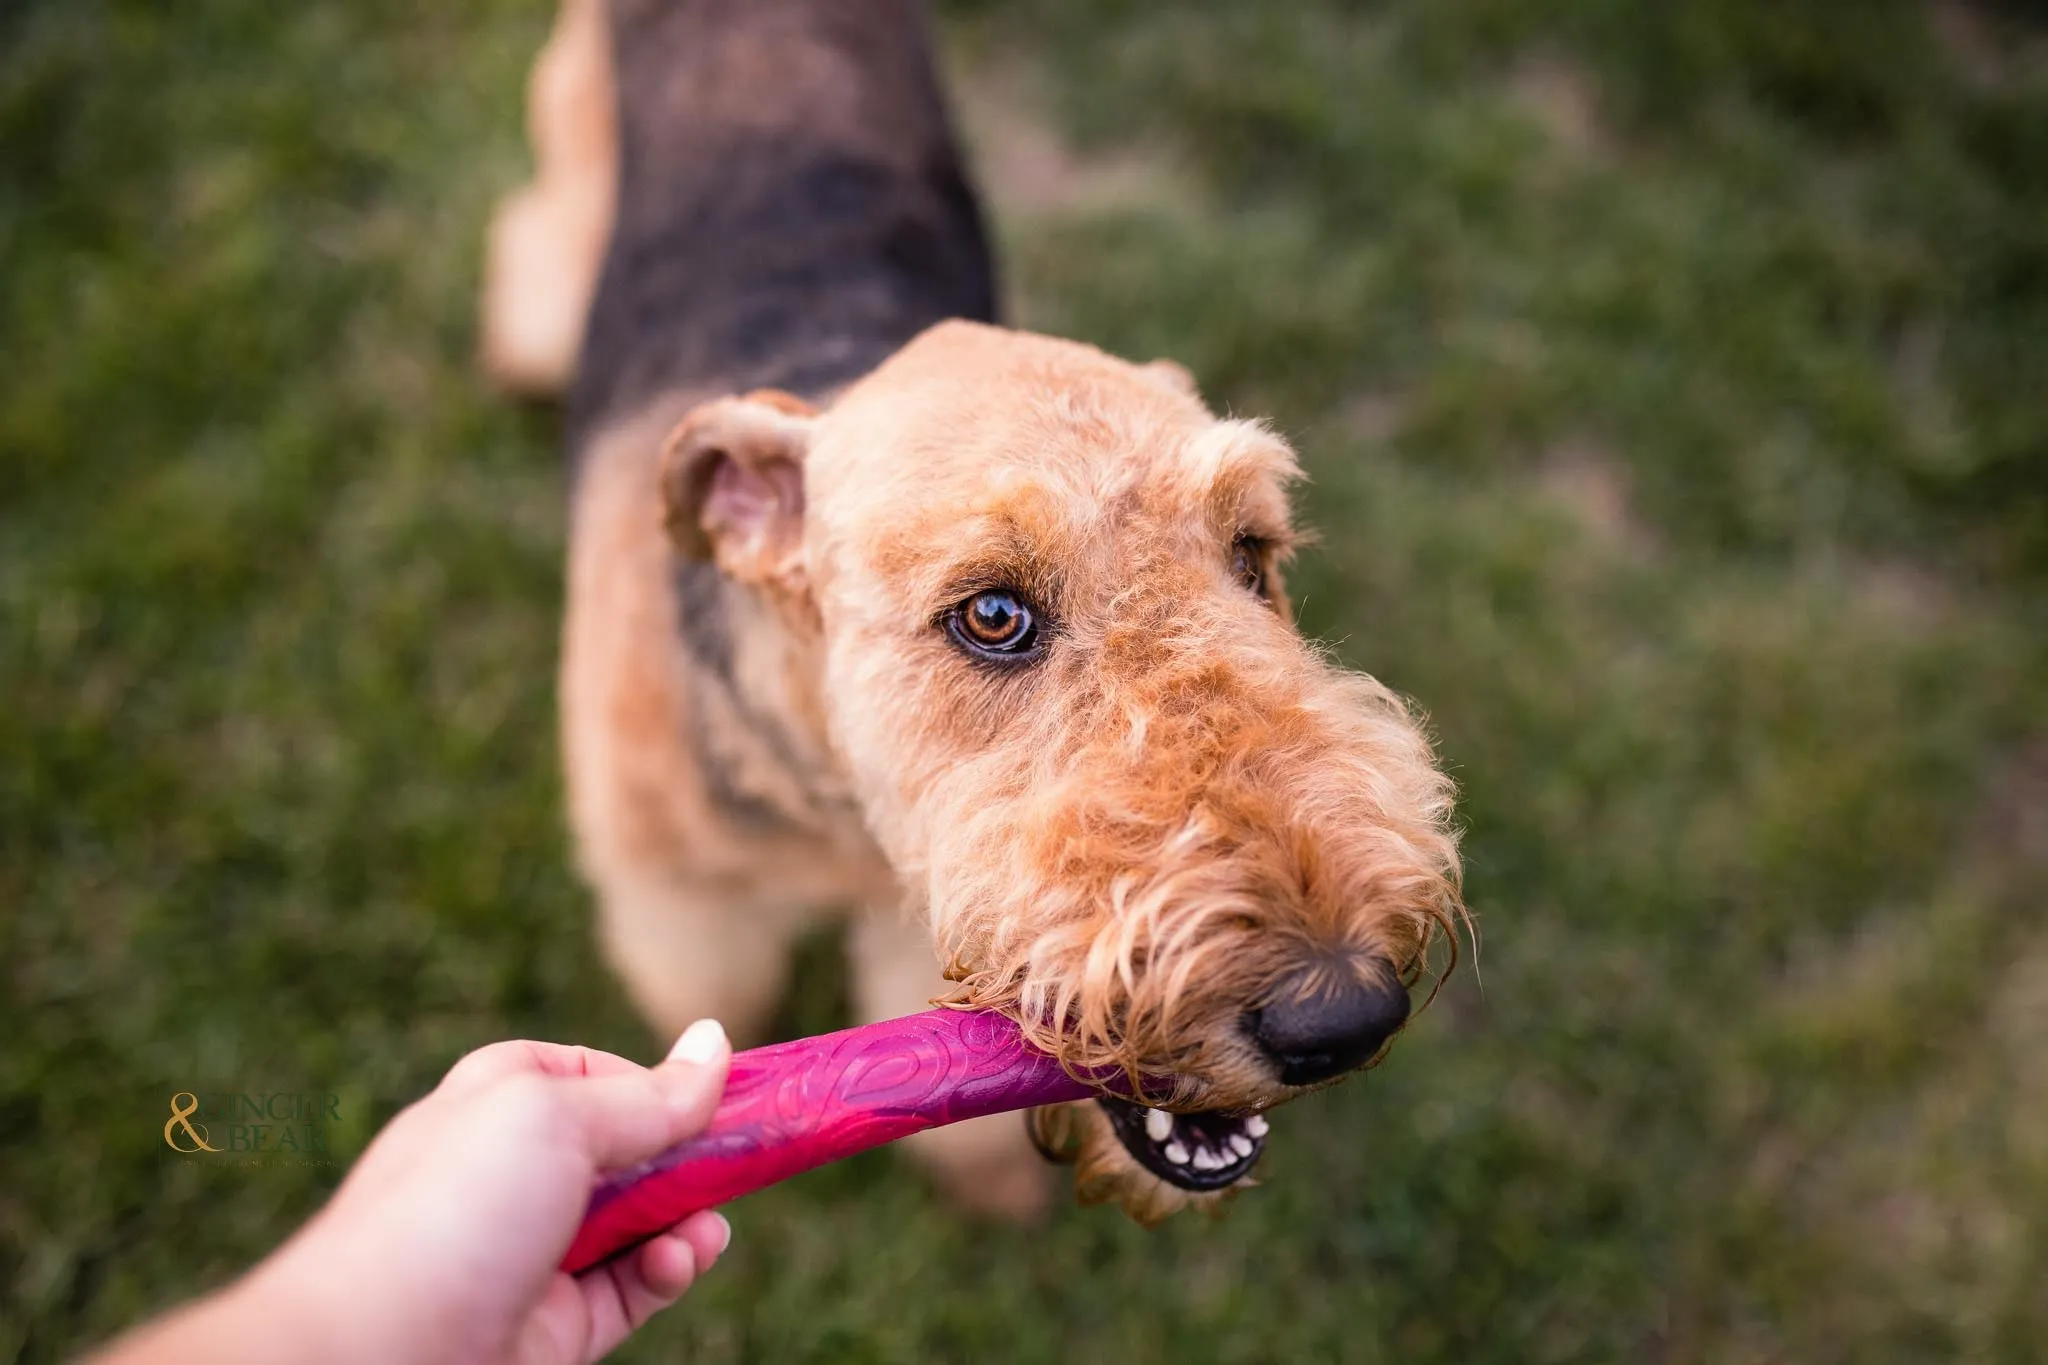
1671,382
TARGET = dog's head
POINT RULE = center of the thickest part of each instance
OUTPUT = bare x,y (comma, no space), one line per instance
1147,820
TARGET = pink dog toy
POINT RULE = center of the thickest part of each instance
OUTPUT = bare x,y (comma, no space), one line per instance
798,1105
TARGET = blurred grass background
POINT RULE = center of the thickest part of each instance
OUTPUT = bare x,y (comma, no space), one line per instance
1674,383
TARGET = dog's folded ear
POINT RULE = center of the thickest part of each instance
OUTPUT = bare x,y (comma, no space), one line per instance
1171,374
732,481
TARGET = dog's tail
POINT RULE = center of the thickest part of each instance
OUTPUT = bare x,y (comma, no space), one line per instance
773,189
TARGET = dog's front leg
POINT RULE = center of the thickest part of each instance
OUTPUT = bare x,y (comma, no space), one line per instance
989,1165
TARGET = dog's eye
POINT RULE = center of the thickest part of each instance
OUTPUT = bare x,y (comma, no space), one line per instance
1248,563
996,624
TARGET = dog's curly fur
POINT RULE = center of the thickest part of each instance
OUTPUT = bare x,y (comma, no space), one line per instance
1179,812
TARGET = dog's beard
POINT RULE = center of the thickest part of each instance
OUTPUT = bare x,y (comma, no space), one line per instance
1148,1003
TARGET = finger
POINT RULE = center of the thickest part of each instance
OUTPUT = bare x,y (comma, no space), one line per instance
620,1297
663,1268
617,1298
671,1262
626,1118
523,1056
699,1042
703,1043
558,1332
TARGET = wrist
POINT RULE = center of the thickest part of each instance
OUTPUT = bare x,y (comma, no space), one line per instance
260,1317
317,1301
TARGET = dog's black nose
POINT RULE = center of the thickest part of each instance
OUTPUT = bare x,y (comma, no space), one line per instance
1330,1027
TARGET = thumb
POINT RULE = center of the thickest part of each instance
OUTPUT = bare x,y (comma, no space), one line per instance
628,1118
693,1075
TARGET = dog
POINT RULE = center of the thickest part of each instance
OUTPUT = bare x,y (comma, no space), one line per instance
977,637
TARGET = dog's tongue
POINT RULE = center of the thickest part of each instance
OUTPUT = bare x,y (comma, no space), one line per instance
798,1105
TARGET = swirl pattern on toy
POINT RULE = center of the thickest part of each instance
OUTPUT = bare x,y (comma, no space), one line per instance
798,1105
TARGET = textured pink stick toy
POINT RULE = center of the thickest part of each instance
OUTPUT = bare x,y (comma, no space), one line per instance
801,1104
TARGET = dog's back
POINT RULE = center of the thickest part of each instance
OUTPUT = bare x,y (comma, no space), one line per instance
791,207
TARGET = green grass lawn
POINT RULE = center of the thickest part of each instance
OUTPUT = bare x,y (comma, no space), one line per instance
1673,379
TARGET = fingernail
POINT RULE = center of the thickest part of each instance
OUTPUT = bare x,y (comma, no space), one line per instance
724,1234
700,1042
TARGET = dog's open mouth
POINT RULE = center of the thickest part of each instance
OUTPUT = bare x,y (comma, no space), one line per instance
1193,1151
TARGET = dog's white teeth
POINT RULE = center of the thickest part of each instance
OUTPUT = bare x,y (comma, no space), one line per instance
1240,1144
1256,1125
1158,1125
1177,1154
1206,1160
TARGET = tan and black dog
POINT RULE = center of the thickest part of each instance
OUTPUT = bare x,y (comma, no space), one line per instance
974,636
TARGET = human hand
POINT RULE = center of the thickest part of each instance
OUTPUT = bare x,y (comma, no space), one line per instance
443,1242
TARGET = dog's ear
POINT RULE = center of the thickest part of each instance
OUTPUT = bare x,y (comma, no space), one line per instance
732,482
1171,374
